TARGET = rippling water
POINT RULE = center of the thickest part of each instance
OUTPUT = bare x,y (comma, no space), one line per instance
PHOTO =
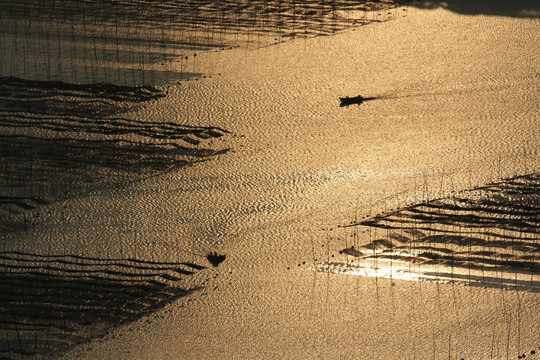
298,163
484,237
157,42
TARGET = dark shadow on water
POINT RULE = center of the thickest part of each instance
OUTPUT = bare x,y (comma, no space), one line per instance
11,86
58,97
58,140
50,303
517,8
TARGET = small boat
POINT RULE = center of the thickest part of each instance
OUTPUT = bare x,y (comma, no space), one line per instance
346,101
215,259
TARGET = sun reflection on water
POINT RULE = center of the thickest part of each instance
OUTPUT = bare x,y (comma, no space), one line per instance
403,270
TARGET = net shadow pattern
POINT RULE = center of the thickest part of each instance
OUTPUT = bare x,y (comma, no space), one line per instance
274,16
135,42
487,236
50,303
58,140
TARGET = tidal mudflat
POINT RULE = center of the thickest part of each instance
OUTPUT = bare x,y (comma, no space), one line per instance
137,150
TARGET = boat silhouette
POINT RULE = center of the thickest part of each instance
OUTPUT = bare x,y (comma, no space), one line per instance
346,101
215,259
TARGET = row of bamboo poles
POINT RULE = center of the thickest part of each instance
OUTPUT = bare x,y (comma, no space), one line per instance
139,42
